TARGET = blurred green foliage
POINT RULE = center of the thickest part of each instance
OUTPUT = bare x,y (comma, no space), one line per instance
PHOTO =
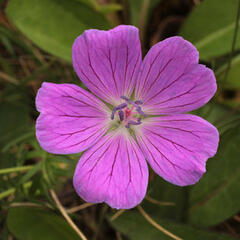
210,27
35,43
54,25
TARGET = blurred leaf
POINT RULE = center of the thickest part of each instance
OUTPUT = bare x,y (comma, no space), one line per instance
28,223
163,191
54,24
91,3
108,8
210,27
233,77
7,44
14,122
133,225
103,8
30,173
216,197
14,116
14,38
136,7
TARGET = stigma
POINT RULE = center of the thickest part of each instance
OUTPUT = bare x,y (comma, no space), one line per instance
129,113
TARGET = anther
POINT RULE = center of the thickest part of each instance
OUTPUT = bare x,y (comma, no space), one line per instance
121,115
139,102
139,110
119,107
131,122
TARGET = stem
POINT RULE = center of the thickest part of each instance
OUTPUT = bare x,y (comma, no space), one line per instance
80,207
117,214
156,225
15,169
8,78
13,190
233,43
65,215
154,201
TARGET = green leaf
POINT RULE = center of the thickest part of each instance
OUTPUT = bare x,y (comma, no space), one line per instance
28,223
232,81
103,8
108,8
54,24
14,122
216,197
210,27
135,226
138,6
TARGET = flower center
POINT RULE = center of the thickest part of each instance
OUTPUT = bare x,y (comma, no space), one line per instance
130,112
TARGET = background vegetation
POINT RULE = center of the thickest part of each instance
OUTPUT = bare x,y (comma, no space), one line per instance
37,199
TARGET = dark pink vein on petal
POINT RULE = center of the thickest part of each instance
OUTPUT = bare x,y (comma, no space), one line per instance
186,104
137,158
158,75
84,103
134,69
183,130
96,150
113,72
75,132
73,145
129,165
173,164
152,154
92,82
87,96
169,140
126,68
164,88
188,92
115,158
150,69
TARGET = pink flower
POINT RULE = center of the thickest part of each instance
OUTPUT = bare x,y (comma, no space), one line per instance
140,119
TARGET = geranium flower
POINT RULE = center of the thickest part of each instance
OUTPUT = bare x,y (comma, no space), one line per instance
132,116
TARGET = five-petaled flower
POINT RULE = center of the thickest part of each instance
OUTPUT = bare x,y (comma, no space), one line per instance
139,119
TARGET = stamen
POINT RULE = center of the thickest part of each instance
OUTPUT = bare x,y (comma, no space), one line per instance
131,122
119,107
121,115
139,102
136,105
139,110
125,98
127,115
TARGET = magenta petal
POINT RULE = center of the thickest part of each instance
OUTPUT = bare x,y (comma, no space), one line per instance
171,79
112,171
71,118
177,147
108,62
